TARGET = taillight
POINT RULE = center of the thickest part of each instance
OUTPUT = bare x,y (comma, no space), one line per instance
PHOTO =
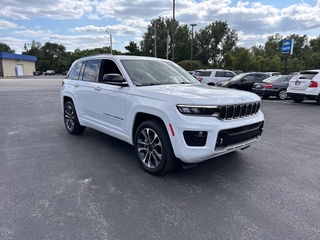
267,85
313,84
200,79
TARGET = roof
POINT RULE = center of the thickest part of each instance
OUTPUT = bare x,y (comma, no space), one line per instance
4,55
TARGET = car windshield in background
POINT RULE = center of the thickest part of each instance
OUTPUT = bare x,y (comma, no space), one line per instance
154,72
238,77
272,79
275,78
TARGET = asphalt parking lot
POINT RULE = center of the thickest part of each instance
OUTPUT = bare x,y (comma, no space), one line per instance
57,186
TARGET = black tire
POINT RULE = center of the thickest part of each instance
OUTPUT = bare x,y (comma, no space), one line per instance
70,118
297,100
282,94
153,148
318,100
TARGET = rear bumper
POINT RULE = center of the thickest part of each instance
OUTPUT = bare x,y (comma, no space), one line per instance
303,96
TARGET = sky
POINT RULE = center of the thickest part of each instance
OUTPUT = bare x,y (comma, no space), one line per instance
88,24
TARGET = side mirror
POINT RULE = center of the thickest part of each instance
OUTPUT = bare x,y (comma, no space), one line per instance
244,79
113,78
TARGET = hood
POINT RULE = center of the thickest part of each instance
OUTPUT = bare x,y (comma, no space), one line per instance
198,94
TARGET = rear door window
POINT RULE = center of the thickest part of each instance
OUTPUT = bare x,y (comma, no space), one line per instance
91,71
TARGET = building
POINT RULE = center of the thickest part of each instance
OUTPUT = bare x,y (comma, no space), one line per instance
16,64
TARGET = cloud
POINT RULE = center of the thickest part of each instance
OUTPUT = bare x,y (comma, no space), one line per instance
6,25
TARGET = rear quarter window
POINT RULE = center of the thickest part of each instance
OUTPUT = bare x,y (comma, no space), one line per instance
75,71
205,74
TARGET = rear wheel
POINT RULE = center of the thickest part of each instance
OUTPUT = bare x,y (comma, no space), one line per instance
71,119
153,148
297,100
282,94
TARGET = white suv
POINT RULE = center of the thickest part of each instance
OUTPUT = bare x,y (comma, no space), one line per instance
214,76
156,106
305,85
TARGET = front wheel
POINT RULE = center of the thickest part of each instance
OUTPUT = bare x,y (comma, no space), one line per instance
153,148
71,119
282,94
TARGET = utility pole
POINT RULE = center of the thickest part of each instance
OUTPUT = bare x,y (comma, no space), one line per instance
155,40
173,28
192,26
110,41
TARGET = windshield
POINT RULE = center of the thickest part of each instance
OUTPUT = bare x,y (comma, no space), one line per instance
238,77
156,72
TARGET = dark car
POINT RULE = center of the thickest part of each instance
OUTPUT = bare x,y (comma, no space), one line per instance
273,86
244,81
64,73
36,73
49,73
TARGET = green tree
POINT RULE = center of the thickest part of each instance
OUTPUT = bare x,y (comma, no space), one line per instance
242,61
155,39
133,49
5,48
214,41
273,45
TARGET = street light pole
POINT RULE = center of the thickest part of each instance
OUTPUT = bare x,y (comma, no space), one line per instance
110,41
192,26
173,28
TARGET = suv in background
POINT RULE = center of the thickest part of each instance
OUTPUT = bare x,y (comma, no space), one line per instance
305,85
213,76
244,81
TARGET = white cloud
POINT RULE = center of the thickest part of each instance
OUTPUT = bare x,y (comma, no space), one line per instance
6,25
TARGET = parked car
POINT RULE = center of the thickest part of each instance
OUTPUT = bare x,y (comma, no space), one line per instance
213,76
49,73
244,81
237,71
156,106
37,73
64,73
273,86
305,85
273,73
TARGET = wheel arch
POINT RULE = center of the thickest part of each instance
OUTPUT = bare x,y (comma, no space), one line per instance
142,117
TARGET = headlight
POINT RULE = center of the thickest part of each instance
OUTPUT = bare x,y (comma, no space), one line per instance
210,111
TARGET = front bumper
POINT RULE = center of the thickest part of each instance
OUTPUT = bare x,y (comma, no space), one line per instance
200,138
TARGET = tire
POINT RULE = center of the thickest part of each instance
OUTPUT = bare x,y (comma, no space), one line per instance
153,148
318,100
282,94
70,118
297,100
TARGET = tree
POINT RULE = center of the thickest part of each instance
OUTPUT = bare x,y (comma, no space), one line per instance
155,39
273,45
214,41
242,61
133,49
5,48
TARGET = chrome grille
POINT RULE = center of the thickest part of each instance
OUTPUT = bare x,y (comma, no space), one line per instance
238,111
